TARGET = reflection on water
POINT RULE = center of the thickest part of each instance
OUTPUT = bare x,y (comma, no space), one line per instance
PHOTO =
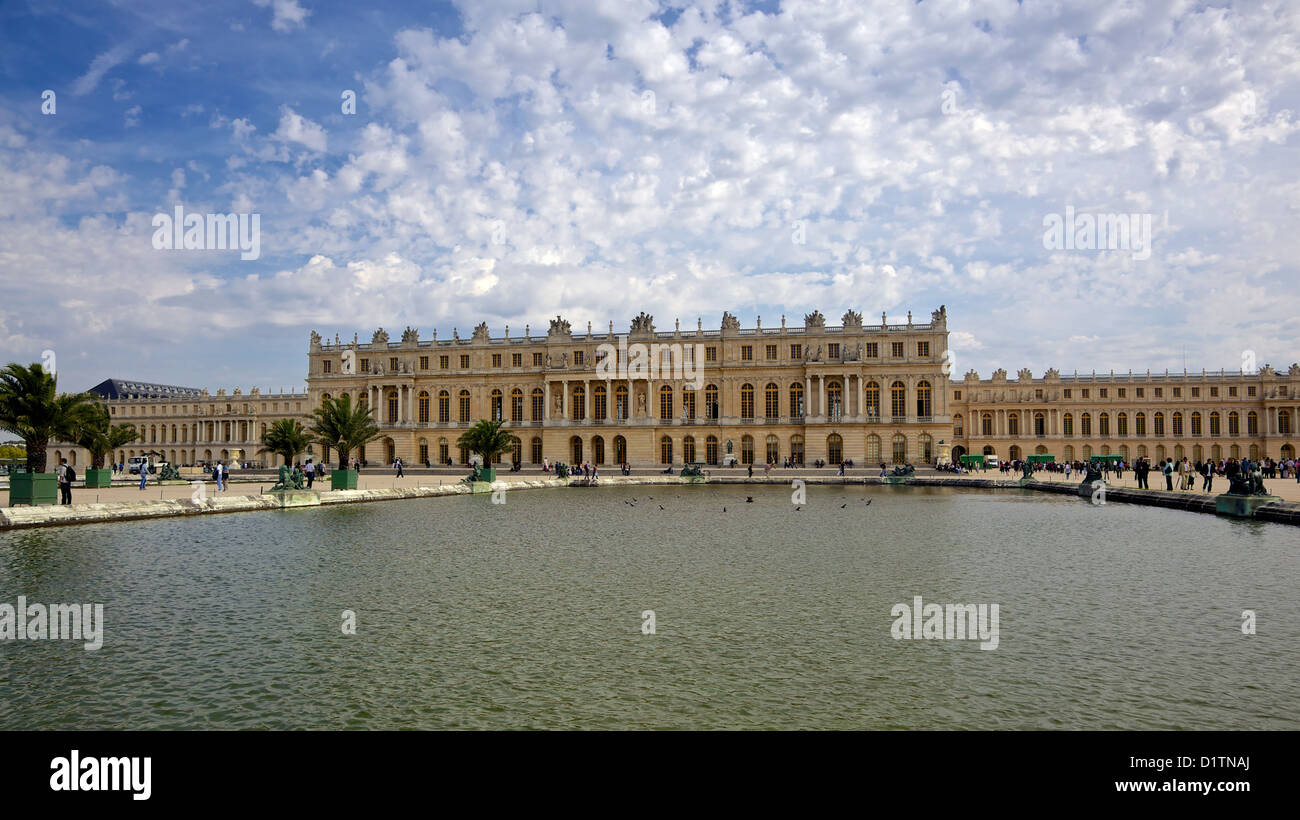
528,615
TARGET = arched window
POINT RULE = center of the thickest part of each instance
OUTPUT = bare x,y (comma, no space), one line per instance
620,450
422,402
1085,425
711,450
496,400
746,449
578,411
1013,424
772,450
771,401
688,402
1103,425
712,408
834,448
688,449
926,445
1158,424
575,450
444,407
796,399
747,401
538,409
1178,424
900,448
1215,427
834,400
898,399
873,449
666,403
796,449
923,403
598,449
1234,426
1069,452
1252,427
1196,425
1121,426
621,406
872,397
464,405
516,405
598,404
1140,424
1013,452
986,424
666,450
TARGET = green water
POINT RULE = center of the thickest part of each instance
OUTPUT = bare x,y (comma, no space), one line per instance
528,615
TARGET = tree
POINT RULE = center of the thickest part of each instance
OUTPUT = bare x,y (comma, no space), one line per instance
489,439
32,408
286,438
100,436
338,424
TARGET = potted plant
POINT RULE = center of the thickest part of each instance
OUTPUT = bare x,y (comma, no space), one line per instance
286,438
100,437
489,439
32,408
339,424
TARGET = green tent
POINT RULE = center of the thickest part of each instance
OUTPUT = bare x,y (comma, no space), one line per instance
1112,457
1041,458
973,460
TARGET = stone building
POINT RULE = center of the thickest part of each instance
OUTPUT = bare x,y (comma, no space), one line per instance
1215,415
862,392
188,425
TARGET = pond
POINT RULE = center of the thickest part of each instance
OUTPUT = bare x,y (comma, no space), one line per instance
534,613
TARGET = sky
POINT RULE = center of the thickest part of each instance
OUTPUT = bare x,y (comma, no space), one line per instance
508,161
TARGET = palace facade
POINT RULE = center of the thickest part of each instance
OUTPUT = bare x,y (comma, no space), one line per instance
862,392
1171,415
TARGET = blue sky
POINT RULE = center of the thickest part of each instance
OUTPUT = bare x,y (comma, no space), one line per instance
510,161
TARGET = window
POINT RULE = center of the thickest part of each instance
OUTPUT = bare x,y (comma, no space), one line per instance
986,424
424,365
771,401
796,399
1085,425
834,400
392,364
1102,393
1103,425
747,449
325,365
1250,391
711,353
1067,393
1159,391
872,395
1196,424
1232,392
900,449
621,404
1121,425
923,406
770,353
516,405
496,359
712,408
833,350
772,450
1140,424
1252,423
796,351
599,403
747,353
923,349
873,350
956,426
896,350
424,411
579,409
1214,392
747,401
711,449
392,407
538,408
464,405
1178,392
1085,392
898,399
464,361
1158,424
1013,424
1196,392
688,449
1122,392
365,365
444,362
956,394
516,360
1141,392
537,360
1214,424
666,403
1178,423
834,448
665,450
1038,393
1284,422
578,359
873,449
1040,425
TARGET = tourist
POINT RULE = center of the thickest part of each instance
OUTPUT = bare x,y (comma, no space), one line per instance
219,475
1208,474
1168,471
310,472
751,470
397,464
144,473
67,475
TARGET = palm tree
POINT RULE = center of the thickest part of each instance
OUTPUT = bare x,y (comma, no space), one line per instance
32,408
100,436
338,424
286,438
489,439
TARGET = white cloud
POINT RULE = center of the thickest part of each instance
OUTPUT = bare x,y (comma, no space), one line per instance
287,14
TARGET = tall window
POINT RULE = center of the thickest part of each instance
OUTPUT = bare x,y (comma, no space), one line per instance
535,451
1178,424
771,401
1140,426
423,405
464,406
796,399
873,399
747,402
620,402
496,402
796,449
1234,425
834,448
1040,425
620,450
1013,424
711,449
665,450
539,405
873,449
1067,424
688,449
1284,422
900,448
1103,425
772,450
898,399
1085,425
986,424
666,403
834,400
598,402
1158,424
711,407
1252,426
1214,424
746,449
443,453
1121,425
1196,424
923,403
392,406
516,405
444,406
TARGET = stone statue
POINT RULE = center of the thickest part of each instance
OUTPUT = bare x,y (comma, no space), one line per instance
548,360
380,337
814,319
1027,470
315,339
564,360
290,479
643,323
640,404
1094,472
729,322
169,473
559,403
729,446
410,335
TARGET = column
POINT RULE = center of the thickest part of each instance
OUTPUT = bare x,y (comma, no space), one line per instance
410,403
822,409
862,397
546,400
564,398
807,395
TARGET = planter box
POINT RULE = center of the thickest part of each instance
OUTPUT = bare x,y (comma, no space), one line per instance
96,479
343,480
33,488
488,474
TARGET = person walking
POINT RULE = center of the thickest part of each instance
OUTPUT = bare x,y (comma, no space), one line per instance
310,472
218,475
397,463
1208,484
144,473
1168,471
67,475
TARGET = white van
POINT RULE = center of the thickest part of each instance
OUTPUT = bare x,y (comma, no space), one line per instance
991,462
134,462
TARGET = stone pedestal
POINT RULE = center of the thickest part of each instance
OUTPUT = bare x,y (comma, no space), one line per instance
1241,506
896,479
294,498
